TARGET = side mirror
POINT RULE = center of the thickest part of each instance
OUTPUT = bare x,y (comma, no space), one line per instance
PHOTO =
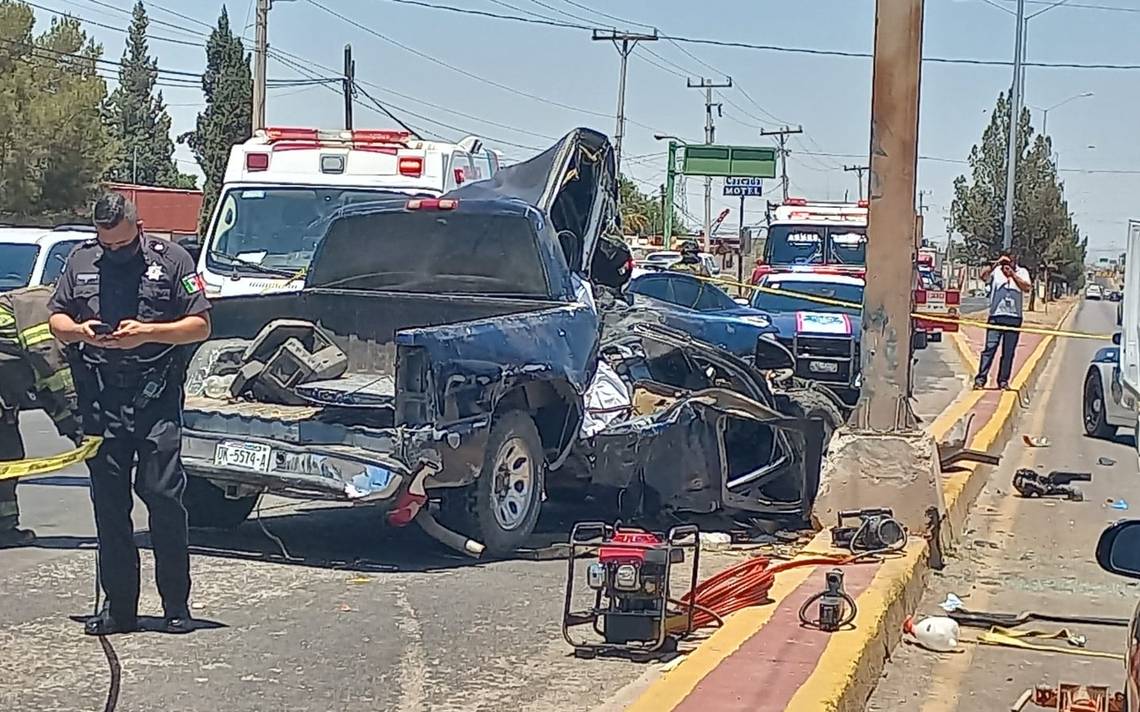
1118,550
1116,338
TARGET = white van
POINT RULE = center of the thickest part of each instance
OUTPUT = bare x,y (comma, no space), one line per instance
282,184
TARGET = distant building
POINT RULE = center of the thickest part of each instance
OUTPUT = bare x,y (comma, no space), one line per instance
165,212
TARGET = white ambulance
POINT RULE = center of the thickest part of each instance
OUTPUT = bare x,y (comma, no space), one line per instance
283,183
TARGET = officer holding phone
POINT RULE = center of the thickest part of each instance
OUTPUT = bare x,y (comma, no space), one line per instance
129,305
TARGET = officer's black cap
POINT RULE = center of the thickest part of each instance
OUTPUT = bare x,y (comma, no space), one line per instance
109,210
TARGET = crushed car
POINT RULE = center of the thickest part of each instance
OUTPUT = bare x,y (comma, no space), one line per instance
475,351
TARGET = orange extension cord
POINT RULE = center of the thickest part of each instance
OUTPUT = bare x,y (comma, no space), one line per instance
746,584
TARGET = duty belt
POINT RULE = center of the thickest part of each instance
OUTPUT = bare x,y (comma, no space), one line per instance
147,378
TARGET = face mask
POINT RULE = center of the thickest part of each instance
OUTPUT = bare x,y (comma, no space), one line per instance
122,255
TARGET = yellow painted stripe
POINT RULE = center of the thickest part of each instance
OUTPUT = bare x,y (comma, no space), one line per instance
675,685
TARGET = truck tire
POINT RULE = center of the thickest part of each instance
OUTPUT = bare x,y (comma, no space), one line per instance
808,403
500,510
207,506
1094,408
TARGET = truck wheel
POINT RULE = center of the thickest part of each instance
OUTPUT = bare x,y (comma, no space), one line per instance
500,510
1095,410
207,506
808,403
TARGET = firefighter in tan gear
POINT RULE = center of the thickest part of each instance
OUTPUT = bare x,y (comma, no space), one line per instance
691,261
33,375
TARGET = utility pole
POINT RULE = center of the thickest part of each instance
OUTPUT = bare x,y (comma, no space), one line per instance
625,42
1014,123
859,171
881,458
782,137
710,137
260,45
884,403
664,216
349,85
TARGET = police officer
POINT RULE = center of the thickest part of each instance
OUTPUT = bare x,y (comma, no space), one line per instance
691,260
131,305
33,374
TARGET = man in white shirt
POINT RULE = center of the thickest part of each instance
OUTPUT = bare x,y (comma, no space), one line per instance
1008,285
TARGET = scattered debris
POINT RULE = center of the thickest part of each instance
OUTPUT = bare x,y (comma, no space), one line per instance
1105,461
984,619
1067,697
715,541
1036,441
1117,504
952,603
937,633
358,580
1029,483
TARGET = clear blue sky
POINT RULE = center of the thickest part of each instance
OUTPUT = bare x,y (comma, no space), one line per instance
829,96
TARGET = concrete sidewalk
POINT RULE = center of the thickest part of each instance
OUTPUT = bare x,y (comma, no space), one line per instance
762,660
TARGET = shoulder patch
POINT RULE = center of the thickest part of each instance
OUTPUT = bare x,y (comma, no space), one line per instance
193,284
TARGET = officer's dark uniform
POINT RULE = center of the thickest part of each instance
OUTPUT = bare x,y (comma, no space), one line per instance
133,398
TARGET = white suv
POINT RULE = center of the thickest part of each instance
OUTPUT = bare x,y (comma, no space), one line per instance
32,256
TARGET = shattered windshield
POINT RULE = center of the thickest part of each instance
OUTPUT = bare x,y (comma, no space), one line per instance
785,296
16,264
276,229
433,251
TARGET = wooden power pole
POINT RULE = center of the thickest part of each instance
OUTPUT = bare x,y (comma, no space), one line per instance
782,137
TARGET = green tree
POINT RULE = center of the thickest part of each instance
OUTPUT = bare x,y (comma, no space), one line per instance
225,121
641,213
138,117
1044,232
53,147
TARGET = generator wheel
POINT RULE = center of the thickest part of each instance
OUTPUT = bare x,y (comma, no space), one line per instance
500,510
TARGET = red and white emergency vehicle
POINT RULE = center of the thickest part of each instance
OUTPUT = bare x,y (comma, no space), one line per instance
283,183
832,237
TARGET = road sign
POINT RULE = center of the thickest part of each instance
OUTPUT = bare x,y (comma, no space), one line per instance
729,161
743,191
739,181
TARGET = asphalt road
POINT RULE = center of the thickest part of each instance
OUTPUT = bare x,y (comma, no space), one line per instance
973,304
1031,555
356,619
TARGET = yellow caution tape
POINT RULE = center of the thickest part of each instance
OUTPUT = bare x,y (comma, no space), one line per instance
1008,638
33,466
928,316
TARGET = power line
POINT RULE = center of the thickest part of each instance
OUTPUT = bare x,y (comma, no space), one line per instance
734,44
464,72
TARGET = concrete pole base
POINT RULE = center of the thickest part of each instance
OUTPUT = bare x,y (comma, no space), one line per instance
865,469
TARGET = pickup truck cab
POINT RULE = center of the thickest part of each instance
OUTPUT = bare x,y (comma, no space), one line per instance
35,256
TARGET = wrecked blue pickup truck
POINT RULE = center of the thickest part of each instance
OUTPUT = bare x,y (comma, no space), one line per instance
445,359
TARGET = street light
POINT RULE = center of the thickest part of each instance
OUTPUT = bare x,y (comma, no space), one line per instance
1045,112
1017,88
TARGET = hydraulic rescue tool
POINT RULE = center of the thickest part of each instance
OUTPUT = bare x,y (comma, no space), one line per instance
1030,483
633,611
877,530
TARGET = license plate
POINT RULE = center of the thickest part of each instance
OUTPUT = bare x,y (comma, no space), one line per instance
823,366
244,456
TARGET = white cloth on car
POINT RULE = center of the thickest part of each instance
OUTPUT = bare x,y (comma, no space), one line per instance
607,399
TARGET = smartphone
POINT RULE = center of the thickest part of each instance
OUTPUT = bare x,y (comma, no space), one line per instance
102,329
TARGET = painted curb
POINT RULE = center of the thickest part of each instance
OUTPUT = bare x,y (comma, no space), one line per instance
848,672
851,664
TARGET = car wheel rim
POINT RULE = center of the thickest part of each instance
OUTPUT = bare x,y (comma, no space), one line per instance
514,484
1093,404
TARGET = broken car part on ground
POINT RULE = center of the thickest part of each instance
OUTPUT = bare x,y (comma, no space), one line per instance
453,350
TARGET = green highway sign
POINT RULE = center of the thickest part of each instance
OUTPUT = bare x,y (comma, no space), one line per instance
729,161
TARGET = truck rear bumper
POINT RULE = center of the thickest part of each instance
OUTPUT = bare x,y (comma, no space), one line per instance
304,471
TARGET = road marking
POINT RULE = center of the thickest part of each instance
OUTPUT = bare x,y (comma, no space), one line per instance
673,687
948,676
